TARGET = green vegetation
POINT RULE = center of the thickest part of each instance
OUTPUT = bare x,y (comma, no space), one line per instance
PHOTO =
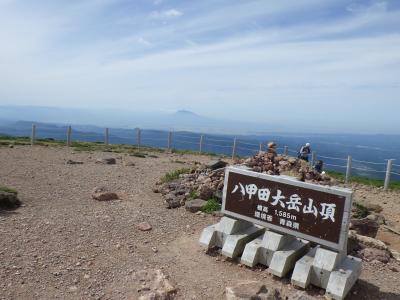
194,195
363,180
211,205
6,140
8,190
177,151
360,211
171,176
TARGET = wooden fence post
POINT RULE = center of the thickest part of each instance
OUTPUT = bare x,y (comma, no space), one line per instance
169,140
285,150
234,148
33,135
313,158
106,137
348,169
388,171
260,148
69,132
138,138
201,144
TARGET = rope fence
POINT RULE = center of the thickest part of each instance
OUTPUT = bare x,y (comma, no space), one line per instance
233,147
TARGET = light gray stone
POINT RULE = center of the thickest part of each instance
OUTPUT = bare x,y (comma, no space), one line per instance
195,205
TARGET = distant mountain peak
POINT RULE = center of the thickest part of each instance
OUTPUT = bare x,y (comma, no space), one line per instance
185,112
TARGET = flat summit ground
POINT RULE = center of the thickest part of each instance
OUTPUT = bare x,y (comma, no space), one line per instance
62,244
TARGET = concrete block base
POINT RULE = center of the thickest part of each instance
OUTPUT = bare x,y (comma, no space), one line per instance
328,270
230,235
278,251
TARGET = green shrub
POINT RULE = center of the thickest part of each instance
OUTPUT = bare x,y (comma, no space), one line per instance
211,205
360,211
8,190
171,176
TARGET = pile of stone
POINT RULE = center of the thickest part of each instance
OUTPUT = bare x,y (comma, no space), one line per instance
207,181
204,182
273,164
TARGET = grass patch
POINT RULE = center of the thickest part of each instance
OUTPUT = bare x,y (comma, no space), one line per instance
138,154
363,180
360,211
194,195
211,206
8,190
171,176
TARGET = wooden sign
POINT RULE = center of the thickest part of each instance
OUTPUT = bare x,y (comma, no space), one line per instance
312,212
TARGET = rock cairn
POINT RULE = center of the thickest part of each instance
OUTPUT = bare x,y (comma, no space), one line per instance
207,181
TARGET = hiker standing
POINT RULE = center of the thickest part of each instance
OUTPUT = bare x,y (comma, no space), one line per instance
305,152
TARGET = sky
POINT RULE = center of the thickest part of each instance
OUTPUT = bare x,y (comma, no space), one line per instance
328,64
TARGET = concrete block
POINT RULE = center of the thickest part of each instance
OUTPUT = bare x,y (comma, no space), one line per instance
278,251
230,235
284,260
328,270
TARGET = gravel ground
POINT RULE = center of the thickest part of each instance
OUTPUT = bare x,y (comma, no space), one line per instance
61,244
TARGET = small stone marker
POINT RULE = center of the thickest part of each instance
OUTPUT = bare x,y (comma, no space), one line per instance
295,213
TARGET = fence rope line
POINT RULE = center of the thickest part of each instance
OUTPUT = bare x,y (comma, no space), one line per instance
395,173
186,142
328,157
187,136
217,140
333,165
368,162
368,170
214,145
248,144
246,148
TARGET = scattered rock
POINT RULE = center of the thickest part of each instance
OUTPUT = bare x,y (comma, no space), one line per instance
252,290
370,254
216,164
128,163
103,194
205,192
367,241
10,146
144,226
107,161
365,226
73,162
154,285
9,200
195,205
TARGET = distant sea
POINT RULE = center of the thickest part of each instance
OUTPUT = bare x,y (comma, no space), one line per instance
369,152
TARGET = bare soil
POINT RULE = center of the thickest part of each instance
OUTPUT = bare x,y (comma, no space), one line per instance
62,244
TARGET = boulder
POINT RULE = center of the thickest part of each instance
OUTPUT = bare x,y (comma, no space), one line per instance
365,226
107,161
216,164
154,285
103,194
9,200
73,162
144,226
252,290
205,192
195,205
370,254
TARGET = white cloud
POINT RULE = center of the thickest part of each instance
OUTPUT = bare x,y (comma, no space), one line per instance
166,14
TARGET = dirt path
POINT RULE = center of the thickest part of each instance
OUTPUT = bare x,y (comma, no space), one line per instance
63,245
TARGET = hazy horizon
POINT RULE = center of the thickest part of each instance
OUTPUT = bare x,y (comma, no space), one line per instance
307,65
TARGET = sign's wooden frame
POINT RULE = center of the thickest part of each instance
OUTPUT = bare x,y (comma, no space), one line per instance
341,246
